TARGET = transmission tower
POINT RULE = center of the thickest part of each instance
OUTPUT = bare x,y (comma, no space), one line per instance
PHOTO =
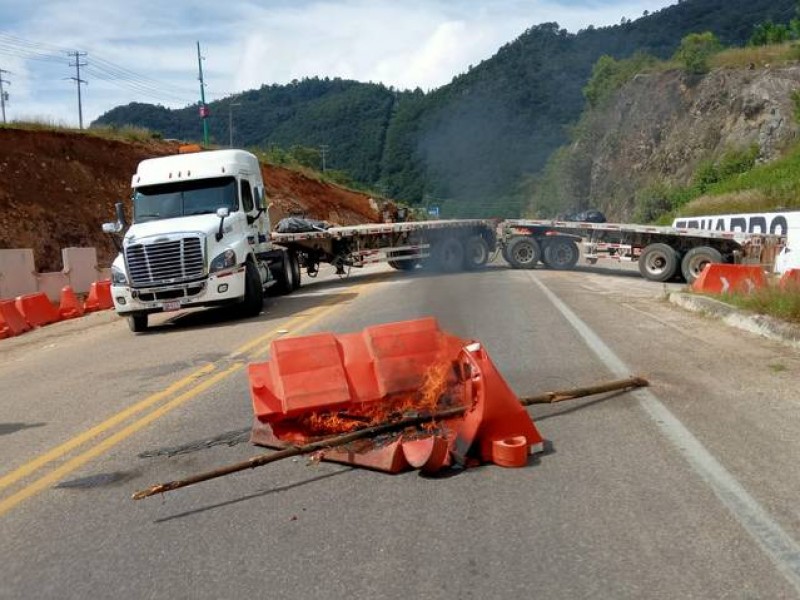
78,81
3,94
324,149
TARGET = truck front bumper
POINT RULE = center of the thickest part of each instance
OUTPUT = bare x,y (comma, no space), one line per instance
215,290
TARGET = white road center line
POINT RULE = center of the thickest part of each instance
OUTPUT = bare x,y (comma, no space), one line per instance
776,543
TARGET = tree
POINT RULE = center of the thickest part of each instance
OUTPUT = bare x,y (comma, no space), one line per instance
696,49
771,33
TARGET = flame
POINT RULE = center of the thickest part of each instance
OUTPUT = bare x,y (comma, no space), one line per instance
436,393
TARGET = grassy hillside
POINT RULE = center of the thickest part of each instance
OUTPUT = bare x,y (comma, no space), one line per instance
761,188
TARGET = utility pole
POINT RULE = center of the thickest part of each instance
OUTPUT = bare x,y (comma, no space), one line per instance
203,107
3,94
78,81
324,149
230,122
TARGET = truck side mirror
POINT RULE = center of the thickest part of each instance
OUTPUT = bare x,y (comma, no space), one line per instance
120,216
222,212
112,227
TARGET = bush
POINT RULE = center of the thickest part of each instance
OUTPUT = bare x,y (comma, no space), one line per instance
696,49
609,75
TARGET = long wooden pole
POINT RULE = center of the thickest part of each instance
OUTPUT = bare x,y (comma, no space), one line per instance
371,432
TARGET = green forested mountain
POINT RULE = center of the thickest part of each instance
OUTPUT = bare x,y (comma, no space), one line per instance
467,144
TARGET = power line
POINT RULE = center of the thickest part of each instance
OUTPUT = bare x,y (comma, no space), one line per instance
78,81
100,69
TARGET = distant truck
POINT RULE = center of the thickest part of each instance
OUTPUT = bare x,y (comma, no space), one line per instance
783,223
663,253
199,237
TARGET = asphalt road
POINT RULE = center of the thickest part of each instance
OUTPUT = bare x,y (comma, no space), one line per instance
688,489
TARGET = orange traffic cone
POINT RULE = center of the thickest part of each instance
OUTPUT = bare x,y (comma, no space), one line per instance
69,307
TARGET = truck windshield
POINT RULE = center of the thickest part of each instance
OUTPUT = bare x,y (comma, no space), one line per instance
184,198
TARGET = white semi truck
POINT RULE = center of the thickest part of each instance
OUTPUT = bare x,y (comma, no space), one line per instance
200,236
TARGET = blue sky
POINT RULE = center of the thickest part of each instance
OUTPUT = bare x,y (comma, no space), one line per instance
144,50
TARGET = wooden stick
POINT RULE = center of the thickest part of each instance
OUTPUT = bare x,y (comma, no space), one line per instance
371,432
611,386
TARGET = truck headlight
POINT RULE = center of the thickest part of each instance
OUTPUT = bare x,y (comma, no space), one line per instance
118,276
226,260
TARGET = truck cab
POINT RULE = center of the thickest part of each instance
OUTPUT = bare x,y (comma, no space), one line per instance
199,237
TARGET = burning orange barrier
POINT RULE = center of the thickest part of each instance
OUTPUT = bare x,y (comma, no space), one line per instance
322,385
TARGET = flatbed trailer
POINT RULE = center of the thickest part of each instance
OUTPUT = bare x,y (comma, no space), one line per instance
447,245
663,253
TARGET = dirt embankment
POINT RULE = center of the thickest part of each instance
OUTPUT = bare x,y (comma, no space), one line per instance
57,188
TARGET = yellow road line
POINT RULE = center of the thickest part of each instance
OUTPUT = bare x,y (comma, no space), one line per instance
59,451
58,473
84,437
303,321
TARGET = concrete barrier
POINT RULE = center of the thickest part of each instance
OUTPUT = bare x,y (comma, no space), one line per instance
18,275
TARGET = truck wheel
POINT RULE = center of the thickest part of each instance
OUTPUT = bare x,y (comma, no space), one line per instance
285,276
476,253
137,323
658,262
253,292
695,261
297,273
523,253
448,255
561,254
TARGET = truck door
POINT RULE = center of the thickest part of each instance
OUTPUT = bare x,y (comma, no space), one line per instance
251,204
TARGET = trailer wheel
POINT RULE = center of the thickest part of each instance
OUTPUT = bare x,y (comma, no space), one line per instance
658,262
403,265
523,253
137,323
408,264
695,261
253,291
476,253
447,255
561,254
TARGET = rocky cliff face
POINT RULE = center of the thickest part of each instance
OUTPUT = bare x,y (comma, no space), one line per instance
659,127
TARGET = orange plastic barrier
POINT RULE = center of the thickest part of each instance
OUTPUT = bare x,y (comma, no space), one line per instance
718,278
336,381
69,308
37,309
11,321
790,280
99,297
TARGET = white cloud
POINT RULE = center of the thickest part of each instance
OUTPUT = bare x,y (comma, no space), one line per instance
406,44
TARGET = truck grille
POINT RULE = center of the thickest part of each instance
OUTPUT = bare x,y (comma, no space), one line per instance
165,262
